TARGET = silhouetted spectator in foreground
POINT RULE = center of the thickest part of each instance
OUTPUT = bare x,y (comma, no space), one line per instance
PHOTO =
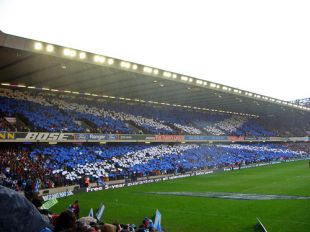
65,222
17,214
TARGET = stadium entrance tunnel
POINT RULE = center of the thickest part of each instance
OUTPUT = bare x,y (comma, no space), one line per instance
234,196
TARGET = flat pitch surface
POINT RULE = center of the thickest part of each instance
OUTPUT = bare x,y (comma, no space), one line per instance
187,212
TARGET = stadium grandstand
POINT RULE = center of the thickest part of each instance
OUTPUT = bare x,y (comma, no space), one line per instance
71,119
303,102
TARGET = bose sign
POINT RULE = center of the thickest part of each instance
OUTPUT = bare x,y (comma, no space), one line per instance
47,136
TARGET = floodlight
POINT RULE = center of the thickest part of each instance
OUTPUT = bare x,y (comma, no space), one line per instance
155,71
38,46
212,85
49,48
110,61
66,52
134,67
82,55
147,69
99,59
167,74
125,64
184,78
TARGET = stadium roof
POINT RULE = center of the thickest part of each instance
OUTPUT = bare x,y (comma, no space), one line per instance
27,63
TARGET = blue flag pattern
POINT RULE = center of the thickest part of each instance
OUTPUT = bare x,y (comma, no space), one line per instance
157,221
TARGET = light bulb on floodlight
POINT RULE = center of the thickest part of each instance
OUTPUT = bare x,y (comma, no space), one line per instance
82,55
38,46
167,74
110,61
66,52
50,48
147,69
99,59
184,78
69,52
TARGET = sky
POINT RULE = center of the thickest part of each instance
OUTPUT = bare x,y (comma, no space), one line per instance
260,46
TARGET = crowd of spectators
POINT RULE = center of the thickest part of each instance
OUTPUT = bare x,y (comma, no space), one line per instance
55,112
50,166
30,167
26,213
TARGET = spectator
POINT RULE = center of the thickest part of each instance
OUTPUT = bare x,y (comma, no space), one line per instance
76,209
65,221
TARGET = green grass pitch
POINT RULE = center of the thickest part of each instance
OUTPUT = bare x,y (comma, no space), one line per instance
186,213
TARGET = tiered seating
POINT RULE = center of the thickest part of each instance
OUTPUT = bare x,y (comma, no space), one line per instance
63,165
231,125
40,117
254,129
45,111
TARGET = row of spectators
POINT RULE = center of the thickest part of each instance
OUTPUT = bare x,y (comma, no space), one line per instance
34,167
52,112
21,213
